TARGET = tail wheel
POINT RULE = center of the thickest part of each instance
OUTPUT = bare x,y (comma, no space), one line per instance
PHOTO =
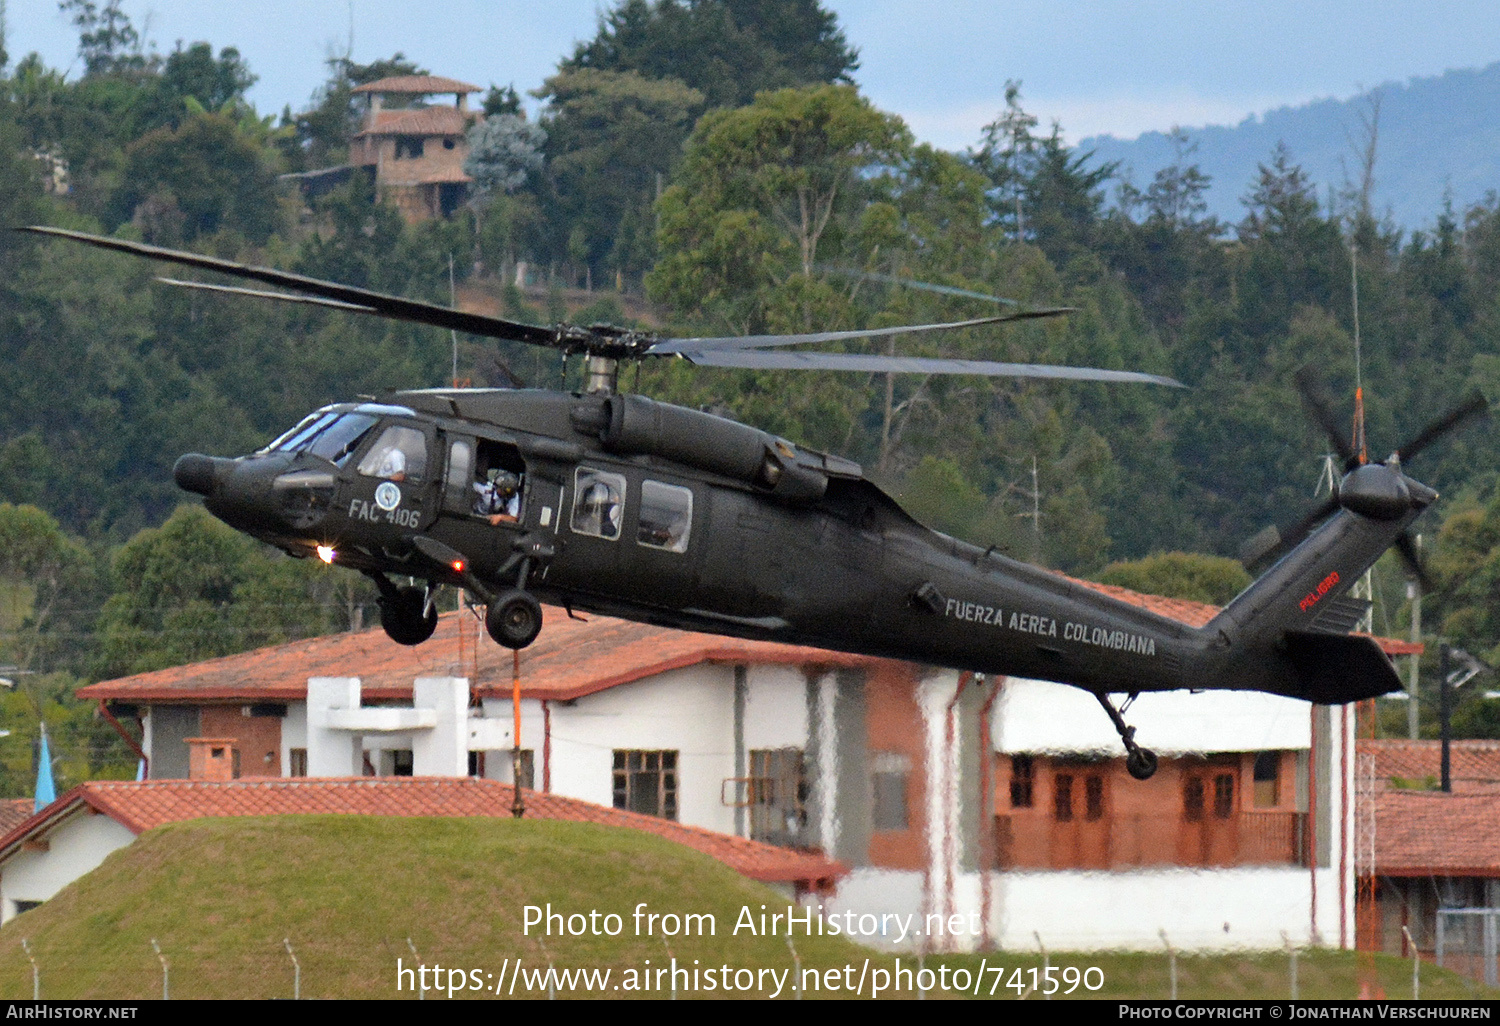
406,616
514,619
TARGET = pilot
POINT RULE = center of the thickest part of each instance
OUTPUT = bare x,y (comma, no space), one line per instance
392,465
498,498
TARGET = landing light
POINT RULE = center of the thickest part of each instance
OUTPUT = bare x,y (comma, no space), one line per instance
326,553
458,565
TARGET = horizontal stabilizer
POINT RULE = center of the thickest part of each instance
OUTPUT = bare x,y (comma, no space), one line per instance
1336,668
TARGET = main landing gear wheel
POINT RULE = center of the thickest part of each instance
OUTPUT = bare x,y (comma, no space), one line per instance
514,619
1140,762
407,616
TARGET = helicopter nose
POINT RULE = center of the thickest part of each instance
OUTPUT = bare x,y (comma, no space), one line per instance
197,473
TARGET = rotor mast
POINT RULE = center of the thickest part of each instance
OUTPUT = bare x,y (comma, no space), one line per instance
601,375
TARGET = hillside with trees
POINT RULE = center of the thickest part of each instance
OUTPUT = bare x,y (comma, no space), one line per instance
704,189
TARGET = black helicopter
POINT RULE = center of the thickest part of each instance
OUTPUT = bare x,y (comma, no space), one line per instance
624,506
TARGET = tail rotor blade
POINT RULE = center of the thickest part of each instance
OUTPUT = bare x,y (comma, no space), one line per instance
1290,538
1407,547
1474,406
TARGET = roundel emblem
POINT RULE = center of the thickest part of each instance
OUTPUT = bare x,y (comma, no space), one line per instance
387,496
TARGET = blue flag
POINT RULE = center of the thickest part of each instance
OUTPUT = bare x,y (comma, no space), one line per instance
46,792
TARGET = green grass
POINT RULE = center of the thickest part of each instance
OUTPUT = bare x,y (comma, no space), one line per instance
219,896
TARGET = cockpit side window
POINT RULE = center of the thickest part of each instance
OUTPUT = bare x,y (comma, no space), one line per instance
399,454
598,503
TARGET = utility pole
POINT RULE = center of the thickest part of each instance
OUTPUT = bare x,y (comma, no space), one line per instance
1414,592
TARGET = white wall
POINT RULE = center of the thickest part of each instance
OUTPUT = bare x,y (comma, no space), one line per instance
1040,716
74,847
690,711
775,708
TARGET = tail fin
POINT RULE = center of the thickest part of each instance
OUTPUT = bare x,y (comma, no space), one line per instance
1287,632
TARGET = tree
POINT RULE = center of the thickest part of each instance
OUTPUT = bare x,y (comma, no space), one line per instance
197,178
107,41
1006,155
728,50
504,149
1182,575
760,184
610,137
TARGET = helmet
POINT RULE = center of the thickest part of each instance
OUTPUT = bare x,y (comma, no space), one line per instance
506,483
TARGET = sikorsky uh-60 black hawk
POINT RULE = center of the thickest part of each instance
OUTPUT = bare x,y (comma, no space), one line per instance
629,507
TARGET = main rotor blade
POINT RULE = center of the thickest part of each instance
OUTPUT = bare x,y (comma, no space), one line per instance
1474,406
280,297
733,342
1319,405
889,279
393,307
773,360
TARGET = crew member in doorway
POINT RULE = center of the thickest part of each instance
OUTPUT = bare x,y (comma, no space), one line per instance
498,498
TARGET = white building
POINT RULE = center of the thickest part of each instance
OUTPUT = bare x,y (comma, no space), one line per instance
999,808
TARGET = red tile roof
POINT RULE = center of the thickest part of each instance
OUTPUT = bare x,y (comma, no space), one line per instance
423,121
417,85
14,812
141,805
1429,833
1474,764
570,659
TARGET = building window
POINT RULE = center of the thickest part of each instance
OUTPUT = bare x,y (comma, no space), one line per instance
1267,777
298,762
646,782
402,762
1192,799
408,146
889,779
1062,797
1022,780
778,795
1223,795
1093,796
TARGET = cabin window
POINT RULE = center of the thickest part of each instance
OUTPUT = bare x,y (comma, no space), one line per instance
598,503
666,516
460,465
400,454
646,782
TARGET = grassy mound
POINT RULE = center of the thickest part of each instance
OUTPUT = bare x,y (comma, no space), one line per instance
220,895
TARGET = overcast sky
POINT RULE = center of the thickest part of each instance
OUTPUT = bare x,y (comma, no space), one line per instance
1097,66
